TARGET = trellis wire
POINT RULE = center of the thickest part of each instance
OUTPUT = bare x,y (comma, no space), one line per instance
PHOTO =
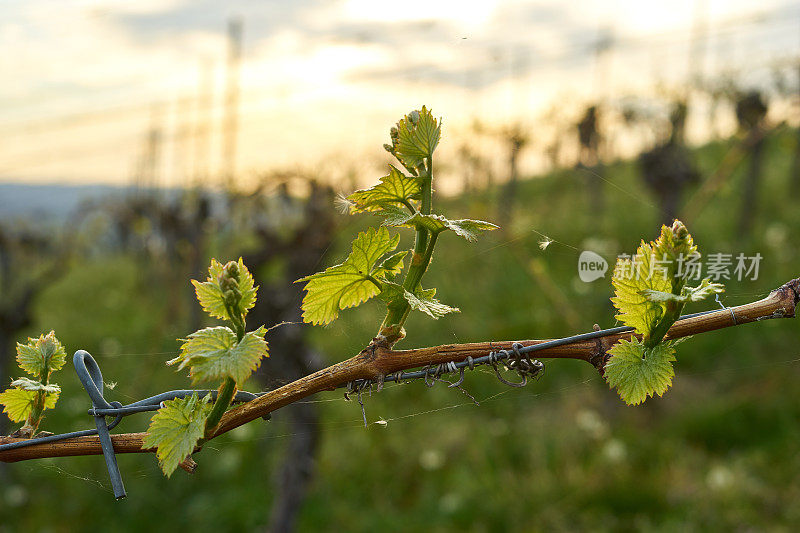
89,374
516,351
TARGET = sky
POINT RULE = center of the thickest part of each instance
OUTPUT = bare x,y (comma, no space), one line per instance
115,91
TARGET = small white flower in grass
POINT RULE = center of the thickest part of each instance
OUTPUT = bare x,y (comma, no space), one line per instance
431,459
615,450
720,477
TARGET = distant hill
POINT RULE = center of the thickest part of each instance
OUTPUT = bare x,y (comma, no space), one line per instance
52,202
48,201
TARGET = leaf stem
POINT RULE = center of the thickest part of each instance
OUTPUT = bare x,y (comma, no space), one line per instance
427,192
392,326
228,388
414,277
409,206
237,321
374,281
226,392
35,416
673,311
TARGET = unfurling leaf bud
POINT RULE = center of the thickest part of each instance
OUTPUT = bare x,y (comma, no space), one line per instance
231,270
222,278
679,230
227,284
232,297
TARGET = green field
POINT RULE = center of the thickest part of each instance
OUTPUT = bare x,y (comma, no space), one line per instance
717,453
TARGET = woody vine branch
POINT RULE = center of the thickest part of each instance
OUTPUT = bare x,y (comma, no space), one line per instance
374,361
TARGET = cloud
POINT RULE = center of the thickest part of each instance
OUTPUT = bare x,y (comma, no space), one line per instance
262,19
310,65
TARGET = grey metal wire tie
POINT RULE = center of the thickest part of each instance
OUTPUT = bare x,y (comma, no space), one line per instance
722,305
92,380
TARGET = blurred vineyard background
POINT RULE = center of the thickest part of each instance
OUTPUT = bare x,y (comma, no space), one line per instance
109,208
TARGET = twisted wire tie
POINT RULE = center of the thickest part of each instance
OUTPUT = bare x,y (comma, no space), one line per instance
733,315
91,378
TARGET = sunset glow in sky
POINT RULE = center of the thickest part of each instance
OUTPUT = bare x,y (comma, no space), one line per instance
85,84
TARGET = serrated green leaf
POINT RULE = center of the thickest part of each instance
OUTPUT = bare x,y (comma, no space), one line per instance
690,294
337,288
210,294
391,292
469,229
631,279
637,372
212,354
44,353
426,293
17,403
394,216
418,136
398,217
176,428
395,189
31,385
703,291
661,297
424,301
348,284
651,284
393,264
247,288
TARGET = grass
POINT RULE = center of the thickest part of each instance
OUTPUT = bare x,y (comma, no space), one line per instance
716,453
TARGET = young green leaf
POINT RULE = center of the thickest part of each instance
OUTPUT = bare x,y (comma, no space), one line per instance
18,403
651,283
211,296
632,277
351,282
689,294
703,291
31,385
425,302
176,428
417,136
395,189
466,228
650,295
661,297
213,354
637,372
40,355
393,264
391,292
470,229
